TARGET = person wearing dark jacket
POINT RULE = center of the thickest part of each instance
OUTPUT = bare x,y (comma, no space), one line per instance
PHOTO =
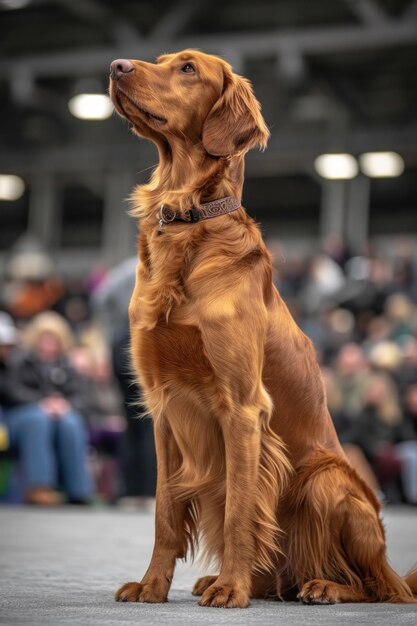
138,456
45,424
8,341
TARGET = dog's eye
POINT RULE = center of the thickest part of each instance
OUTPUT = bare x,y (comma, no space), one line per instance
188,68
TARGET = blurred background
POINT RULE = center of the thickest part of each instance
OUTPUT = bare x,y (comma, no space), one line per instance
335,194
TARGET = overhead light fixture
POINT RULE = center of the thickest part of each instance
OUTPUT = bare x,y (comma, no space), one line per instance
91,106
11,187
341,166
381,164
14,4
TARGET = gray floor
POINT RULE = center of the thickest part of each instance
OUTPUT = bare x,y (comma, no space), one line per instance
62,567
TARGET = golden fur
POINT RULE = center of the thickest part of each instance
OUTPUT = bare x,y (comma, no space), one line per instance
248,459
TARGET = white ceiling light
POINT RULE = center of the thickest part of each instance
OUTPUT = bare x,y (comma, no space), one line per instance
340,166
11,187
91,106
14,4
381,164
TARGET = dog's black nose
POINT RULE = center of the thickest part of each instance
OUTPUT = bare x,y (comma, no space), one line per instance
119,68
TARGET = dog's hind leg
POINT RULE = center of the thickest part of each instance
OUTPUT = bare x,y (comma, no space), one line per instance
363,547
362,537
339,531
203,583
262,585
327,592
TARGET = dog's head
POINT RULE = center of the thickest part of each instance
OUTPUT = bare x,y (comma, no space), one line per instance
189,95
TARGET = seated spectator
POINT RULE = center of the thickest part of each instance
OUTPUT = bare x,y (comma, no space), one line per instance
402,314
387,438
407,375
46,425
352,375
404,277
410,406
408,449
378,329
345,425
330,330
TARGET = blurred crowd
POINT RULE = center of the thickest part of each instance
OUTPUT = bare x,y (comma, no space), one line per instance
69,406
361,313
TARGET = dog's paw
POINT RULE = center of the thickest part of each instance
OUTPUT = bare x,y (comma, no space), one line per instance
225,596
141,592
319,592
202,584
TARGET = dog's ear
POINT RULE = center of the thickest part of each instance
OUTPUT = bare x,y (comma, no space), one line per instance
235,123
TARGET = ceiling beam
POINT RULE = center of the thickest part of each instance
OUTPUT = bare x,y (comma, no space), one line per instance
124,32
368,11
410,12
173,21
325,40
287,152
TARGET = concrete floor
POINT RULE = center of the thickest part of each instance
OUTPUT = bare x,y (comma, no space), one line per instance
63,566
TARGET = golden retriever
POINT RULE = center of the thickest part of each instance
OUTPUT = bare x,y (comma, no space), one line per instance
249,463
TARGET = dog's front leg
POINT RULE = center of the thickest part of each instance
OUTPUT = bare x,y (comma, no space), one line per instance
169,535
241,435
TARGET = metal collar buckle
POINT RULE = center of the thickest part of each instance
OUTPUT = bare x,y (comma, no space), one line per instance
165,215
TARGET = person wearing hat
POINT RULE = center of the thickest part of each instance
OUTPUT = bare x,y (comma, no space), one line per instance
32,285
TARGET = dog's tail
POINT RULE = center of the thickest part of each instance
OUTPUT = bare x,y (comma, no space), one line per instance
411,580
389,586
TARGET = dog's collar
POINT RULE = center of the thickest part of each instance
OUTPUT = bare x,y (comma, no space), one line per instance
203,212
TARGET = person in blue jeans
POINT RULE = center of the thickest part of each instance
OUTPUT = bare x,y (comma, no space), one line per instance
52,451
46,424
